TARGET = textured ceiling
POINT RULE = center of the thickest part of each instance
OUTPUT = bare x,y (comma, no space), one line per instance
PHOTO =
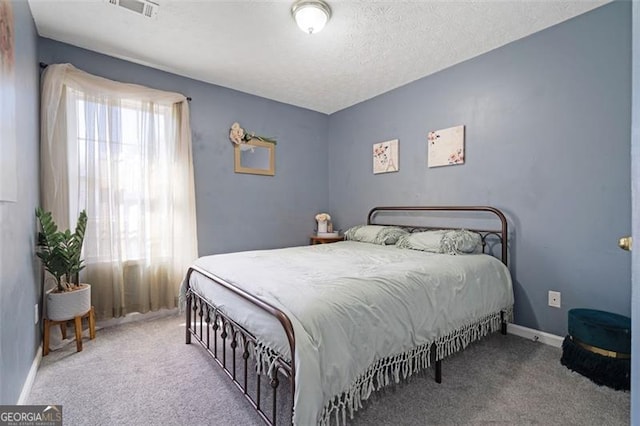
367,48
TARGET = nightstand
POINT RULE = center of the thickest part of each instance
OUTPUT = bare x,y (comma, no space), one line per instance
314,239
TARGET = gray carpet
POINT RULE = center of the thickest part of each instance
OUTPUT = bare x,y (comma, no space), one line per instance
144,374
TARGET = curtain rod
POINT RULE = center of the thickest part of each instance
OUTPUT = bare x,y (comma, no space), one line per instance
44,65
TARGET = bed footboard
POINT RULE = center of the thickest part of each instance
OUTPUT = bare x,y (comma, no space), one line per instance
219,334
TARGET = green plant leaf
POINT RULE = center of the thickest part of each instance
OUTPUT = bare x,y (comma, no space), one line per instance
60,251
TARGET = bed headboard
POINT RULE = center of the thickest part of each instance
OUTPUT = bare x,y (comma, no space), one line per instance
490,237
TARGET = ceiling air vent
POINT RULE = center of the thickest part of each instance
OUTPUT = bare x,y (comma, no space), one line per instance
148,8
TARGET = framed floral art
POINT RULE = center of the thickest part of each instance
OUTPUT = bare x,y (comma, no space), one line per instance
385,157
445,147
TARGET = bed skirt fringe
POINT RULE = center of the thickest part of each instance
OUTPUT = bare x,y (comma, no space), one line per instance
265,359
380,374
463,336
399,367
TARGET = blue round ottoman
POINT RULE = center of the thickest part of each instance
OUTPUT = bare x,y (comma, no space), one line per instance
599,347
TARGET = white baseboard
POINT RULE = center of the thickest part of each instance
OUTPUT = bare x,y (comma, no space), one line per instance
535,335
31,377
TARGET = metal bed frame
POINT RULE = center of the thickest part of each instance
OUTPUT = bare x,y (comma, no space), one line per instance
219,334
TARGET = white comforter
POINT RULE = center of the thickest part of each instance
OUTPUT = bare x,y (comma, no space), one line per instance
352,304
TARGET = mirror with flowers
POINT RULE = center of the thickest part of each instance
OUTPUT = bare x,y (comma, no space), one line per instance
253,154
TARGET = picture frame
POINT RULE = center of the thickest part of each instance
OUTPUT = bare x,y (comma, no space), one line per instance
255,157
445,147
385,157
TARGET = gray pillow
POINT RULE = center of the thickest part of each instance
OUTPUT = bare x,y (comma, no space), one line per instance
447,241
461,241
430,241
375,234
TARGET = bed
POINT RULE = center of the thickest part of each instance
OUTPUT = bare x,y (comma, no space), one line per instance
340,321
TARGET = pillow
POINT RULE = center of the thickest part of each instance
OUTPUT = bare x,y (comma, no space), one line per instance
376,234
457,241
430,241
461,241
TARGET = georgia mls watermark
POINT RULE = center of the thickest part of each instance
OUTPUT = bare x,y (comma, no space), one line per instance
30,415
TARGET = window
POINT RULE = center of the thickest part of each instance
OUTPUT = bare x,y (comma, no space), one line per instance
123,153
117,165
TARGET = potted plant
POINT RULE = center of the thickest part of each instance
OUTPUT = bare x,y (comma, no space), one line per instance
60,253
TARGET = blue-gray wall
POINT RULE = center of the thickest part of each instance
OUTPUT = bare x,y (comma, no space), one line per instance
19,276
234,211
547,140
547,121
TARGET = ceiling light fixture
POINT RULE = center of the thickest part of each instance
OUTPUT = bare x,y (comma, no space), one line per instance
311,15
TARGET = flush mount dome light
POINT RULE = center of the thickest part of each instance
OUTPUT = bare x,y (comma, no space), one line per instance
311,15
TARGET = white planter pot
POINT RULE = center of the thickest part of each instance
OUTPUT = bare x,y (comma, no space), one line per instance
69,304
322,227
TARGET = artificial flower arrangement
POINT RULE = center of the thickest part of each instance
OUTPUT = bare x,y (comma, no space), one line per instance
324,223
238,135
323,217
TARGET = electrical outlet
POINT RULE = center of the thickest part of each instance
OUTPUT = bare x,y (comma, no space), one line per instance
554,299
36,318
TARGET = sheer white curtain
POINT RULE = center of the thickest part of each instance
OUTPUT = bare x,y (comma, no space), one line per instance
123,153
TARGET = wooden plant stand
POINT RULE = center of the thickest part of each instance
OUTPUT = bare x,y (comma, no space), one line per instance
77,322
